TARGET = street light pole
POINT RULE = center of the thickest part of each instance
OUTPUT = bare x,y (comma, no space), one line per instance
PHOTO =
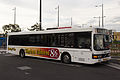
40,19
58,16
102,14
99,20
102,17
14,15
71,21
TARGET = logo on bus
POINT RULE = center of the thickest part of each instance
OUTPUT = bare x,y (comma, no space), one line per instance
54,53
43,52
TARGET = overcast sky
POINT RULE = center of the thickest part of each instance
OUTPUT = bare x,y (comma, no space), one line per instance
82,12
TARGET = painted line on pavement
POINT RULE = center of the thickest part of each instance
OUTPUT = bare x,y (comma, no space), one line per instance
71,65
113,65
24,68
9,55
27,73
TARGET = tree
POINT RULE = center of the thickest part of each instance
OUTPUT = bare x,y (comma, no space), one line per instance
6,28
15,28
35,27
11,28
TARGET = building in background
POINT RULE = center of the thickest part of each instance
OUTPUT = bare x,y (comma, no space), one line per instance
116,36
3,41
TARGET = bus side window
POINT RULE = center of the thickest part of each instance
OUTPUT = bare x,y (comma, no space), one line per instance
69,40
83,40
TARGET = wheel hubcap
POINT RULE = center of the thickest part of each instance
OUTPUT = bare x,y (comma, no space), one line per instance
66,58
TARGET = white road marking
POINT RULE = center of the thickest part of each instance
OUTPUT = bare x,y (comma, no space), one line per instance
27,73
118,59
9,55
113,65
24,68
72,65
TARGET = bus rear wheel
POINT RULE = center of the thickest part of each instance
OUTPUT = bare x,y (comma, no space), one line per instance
22,53
66,58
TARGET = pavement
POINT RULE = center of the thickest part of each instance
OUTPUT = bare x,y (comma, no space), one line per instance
115,59
15,68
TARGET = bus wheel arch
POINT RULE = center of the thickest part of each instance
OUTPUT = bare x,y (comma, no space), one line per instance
22,53
66,57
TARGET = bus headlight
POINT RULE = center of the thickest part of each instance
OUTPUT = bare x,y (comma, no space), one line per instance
96,56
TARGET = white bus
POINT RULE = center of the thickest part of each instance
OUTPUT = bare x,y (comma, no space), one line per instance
83,45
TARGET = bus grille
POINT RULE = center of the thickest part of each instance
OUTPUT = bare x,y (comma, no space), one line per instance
105,55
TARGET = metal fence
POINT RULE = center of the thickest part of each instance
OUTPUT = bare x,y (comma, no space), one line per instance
115,49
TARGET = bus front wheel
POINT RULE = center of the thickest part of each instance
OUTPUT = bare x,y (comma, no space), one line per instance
66,58
22,53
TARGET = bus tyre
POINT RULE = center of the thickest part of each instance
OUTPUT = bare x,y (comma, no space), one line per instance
66,58
22,53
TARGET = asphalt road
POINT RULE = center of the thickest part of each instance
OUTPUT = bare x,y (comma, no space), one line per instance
16,68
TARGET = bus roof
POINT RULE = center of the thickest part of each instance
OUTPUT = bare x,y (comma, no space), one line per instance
67,30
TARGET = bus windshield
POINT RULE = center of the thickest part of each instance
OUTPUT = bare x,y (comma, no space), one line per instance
101,42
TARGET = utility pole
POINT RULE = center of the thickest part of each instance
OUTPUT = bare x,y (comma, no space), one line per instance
40,19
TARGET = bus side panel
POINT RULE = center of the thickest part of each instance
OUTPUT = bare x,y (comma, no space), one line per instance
13,50
83,56
49,53
79,55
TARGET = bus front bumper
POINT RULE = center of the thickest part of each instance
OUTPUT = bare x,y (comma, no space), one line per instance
104,59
